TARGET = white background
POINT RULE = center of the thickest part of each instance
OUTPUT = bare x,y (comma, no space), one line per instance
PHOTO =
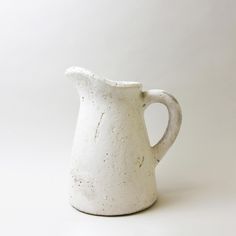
185,47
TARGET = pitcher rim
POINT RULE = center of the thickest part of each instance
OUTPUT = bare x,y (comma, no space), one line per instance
74,71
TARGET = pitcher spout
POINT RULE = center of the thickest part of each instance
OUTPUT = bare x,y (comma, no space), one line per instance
78,74
83,76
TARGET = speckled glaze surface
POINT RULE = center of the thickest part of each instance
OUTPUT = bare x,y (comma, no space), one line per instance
113,164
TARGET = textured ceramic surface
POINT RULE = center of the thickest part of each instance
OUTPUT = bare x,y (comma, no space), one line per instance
113,164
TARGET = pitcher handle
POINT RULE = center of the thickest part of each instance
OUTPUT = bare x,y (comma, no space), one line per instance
174,123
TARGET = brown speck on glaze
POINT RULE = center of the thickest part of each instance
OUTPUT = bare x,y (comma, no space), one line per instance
143,94
141,163
98,125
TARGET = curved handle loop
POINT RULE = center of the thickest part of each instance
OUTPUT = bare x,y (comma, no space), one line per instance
174,123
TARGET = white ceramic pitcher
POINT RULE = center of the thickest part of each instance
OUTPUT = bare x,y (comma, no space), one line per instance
113,164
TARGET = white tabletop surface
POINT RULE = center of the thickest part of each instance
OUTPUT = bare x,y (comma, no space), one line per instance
197,201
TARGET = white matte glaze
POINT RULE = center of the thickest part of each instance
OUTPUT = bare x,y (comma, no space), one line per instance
113,164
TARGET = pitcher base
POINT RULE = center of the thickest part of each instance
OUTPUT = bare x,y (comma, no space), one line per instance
120,214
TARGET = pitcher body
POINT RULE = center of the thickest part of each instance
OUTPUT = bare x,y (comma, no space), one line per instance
113,164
